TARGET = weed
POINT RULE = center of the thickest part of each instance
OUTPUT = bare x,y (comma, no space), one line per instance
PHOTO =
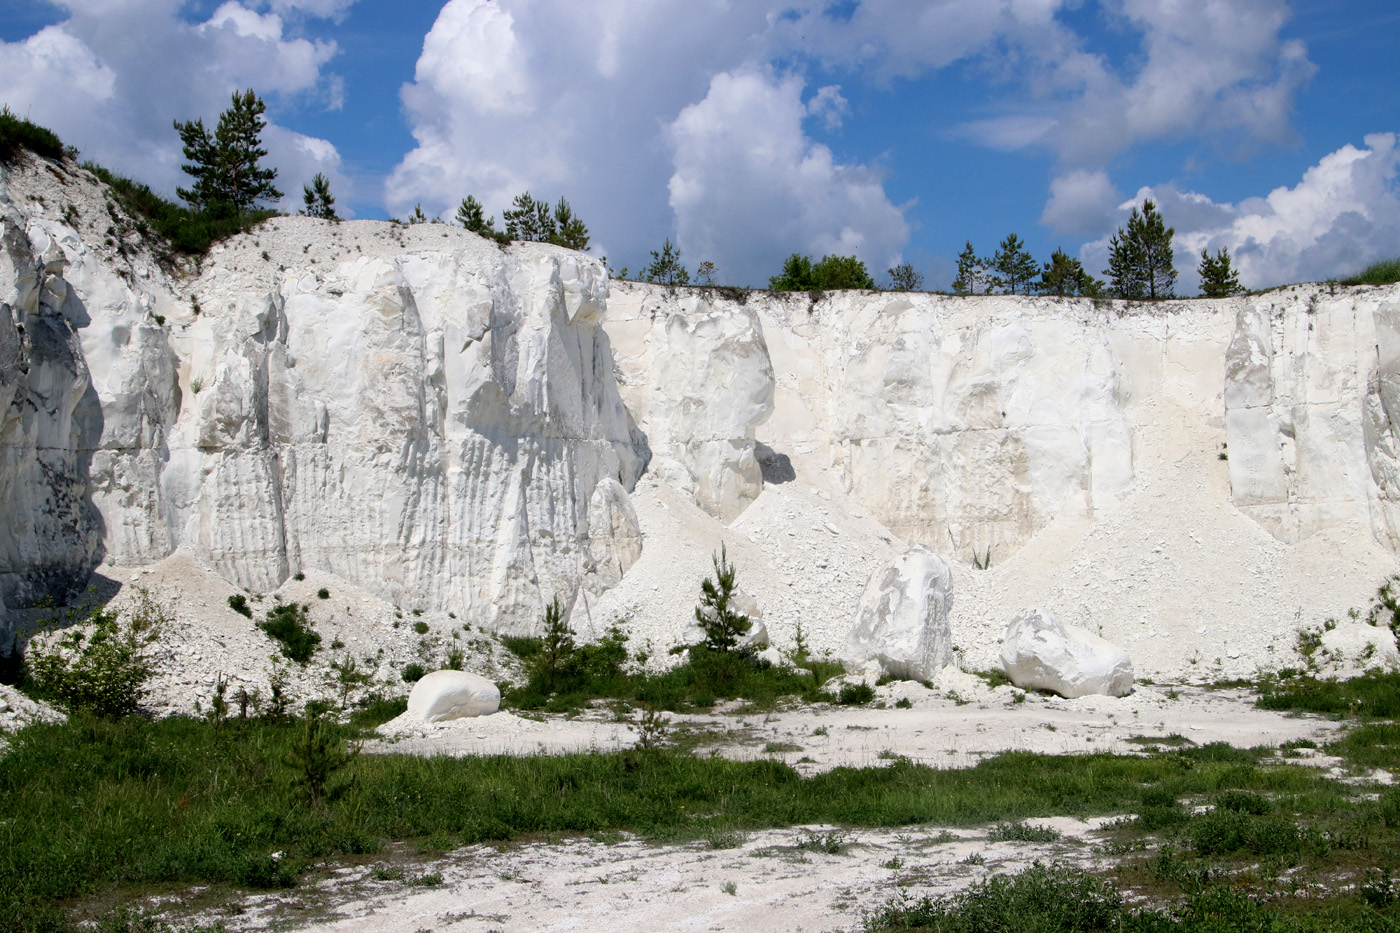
323,593
730,888
298,576
420,627
725,838
412,673
429,880
894,864
903,703
387,873
1022,832
238,602
833,842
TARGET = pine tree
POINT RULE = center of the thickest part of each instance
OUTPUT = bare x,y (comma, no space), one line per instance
723,626
972,273
665,267
529,220
1065,276
705,273
319,200
569,231
225,166
1015,268
472,215
1140,256
1218,276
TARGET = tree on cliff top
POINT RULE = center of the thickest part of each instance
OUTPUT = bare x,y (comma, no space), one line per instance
225,165
318,198
1140,257
1218,276
831,273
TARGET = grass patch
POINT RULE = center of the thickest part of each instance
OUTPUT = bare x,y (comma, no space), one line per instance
97,806
176,229
597,671
1373,696
19,135
1380,273
1059,899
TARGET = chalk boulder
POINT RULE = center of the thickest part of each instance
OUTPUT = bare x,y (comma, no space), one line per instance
1353,648
1040,652
902,626
444,695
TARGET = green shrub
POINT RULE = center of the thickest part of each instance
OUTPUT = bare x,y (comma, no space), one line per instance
855,694
239,604
413,673
100,667
183,231
18,134
420,627
287,624
323,593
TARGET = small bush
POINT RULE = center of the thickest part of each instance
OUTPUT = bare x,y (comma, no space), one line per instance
18,134
413,673
102,669
420,627
287,624
855,694
323,593
239,604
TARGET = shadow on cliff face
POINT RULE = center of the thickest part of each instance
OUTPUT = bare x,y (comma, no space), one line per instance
53,436
776,467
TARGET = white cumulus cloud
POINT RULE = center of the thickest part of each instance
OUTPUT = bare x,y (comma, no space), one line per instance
749,186
1342,215
112,77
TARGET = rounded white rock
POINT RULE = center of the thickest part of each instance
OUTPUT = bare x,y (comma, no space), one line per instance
1040,652
444,695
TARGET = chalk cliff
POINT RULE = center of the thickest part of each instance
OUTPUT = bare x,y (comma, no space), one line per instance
457,427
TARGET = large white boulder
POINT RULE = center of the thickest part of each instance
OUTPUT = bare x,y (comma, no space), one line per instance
1040,652
1353,648
444,695
902,626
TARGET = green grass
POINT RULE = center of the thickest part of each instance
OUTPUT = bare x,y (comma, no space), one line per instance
1375,695
186,232
596,672
19,135
1058,899
1381,273
94,807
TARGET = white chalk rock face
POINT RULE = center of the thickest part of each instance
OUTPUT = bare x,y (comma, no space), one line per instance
709,385
420,414
902,627
444,695
1040,652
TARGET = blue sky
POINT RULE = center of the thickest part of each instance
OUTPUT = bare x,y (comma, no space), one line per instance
892,129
